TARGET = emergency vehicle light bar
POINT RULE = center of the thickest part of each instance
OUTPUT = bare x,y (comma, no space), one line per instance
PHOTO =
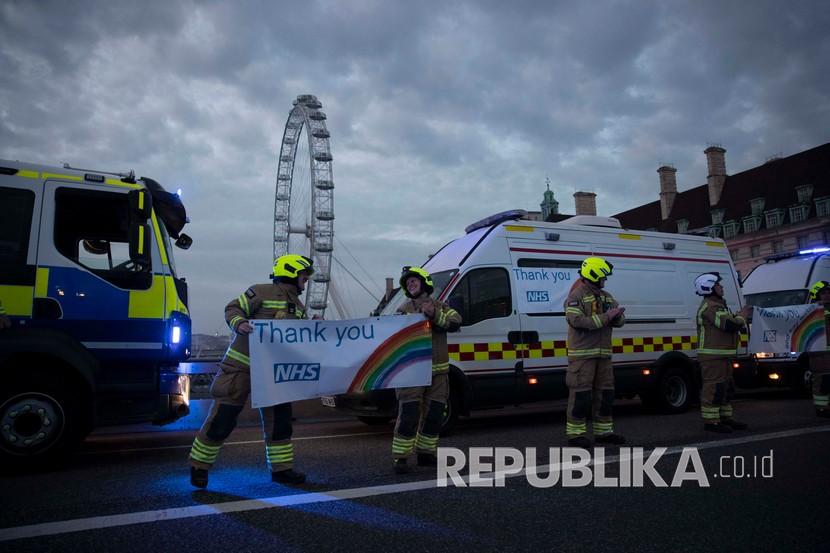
495,219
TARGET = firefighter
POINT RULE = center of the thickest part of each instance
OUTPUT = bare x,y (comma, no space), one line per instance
820,360
718,331
232,384
5,322
592,313
421,409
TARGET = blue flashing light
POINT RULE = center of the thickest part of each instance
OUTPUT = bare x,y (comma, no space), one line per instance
179,192
821,249
176,334
495,219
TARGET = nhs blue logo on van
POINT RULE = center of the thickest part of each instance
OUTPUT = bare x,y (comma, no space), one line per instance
543,289
296,372
537,296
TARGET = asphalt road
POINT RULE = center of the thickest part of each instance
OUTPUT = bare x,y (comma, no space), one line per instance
767,491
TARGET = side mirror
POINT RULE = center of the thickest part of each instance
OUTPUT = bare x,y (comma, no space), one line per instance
140,245
141,204
184,241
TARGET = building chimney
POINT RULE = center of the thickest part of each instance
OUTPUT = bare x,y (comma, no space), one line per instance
390,285
716,161
586,203
668,190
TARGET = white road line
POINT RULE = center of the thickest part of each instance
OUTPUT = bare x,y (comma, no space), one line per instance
111,521
246,442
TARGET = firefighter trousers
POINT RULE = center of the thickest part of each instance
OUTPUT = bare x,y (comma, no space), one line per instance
820,367
230,391
718,388
420,414
590,394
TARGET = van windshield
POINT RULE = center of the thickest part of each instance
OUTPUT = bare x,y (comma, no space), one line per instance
778,298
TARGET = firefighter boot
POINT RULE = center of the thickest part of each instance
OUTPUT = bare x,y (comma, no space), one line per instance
610,438
400,466
717,427
198,477
427,460
580,441
733,424
289,476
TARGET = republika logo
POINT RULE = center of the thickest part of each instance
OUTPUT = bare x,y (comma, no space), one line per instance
296,372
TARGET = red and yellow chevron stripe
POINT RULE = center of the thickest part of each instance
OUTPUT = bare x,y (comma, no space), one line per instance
494,351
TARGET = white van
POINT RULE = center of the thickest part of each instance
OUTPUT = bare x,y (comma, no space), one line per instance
784,280
509,278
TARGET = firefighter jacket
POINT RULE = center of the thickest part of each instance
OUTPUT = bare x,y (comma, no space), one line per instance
277,300
589,328
444,319
826,353
718,329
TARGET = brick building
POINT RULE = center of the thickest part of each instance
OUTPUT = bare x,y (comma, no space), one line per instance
779,207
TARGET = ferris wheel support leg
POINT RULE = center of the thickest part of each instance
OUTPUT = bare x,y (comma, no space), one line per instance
337,299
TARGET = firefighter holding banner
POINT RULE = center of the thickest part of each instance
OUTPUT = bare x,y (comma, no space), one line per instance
421,409
820,360
718,331
232,384
592,314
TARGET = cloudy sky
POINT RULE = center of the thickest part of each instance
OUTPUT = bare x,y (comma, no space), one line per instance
440,113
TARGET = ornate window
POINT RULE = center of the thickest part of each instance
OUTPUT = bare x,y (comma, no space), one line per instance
799,212
730,229
823,206
805,193
717,216
774,217
683,225
752,223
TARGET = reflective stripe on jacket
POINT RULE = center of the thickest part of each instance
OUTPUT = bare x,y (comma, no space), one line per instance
260,301
444,319
718,329
589,329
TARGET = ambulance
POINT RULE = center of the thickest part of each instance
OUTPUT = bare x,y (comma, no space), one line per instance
781,280
509,277
98,312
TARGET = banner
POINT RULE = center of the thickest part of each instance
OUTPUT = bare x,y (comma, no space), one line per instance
543,289
794,328
299,359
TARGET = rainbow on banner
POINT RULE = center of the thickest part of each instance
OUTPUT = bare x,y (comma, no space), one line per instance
808,331
407,346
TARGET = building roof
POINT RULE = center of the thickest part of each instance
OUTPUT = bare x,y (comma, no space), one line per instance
775,181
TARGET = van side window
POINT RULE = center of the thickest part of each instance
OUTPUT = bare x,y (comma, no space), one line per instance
15,227
482,294
92,229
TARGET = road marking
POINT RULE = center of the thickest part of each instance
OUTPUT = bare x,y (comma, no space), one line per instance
246,442
126,519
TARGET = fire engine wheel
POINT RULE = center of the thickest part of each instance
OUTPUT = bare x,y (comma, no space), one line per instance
37,421
673,392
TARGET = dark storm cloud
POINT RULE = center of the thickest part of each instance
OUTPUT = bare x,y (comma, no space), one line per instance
440,112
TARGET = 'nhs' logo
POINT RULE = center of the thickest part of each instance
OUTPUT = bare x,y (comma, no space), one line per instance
290,372
537,296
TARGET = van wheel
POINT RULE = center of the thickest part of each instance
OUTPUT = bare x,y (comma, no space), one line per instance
374,421
39,420
673,391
